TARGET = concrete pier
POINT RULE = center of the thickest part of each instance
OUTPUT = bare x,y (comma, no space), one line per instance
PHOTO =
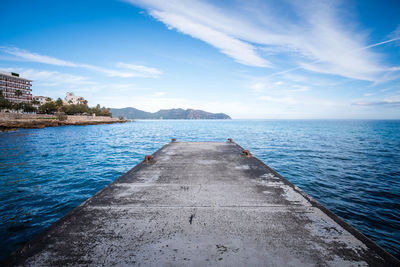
196,204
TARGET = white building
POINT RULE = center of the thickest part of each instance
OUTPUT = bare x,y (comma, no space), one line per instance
42,99
14,88
71,98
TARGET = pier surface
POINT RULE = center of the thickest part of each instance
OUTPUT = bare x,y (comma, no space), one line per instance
201,204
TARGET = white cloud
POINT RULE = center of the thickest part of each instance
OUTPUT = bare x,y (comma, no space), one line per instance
295,77
143,102
159,94
242,52
141,70
34,57
118,89
393,101
127,70
395,35
51,78
55,84
316,36
258,87
261,85
282,100
300,88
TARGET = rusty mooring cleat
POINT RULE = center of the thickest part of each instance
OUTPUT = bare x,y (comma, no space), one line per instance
246,153
148,158
230,140
173,140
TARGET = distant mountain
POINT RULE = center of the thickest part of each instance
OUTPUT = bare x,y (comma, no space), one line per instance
168,114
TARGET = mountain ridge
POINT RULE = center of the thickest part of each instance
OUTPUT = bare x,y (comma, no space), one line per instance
168,114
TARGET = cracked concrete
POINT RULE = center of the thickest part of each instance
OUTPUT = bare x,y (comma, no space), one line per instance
201,204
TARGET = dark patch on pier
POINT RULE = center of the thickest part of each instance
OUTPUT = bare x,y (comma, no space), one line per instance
191,218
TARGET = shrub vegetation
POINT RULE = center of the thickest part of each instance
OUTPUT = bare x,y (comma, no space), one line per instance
51,107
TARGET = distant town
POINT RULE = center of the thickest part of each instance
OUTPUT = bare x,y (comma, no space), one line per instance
16,97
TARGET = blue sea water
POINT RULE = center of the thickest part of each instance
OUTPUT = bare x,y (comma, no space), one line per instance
351,167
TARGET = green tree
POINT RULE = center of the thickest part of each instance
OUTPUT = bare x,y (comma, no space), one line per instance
96,110
5,104
81,108
35,102
105,112
100,111
59,103
48,108
18,93
17,106
61,116
28,107
75,109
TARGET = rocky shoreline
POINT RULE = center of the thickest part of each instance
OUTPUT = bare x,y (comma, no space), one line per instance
11,122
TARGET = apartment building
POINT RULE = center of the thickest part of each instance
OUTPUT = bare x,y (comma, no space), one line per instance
14,88
71,98
42,99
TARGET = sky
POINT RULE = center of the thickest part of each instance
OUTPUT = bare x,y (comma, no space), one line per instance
248,59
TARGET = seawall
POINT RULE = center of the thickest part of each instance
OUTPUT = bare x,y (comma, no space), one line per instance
13,121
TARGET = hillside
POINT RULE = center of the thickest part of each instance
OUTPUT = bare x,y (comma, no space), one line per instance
168,114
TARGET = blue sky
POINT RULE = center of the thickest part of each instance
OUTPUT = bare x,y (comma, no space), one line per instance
249,59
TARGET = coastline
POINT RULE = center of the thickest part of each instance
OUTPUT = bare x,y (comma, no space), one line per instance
13,121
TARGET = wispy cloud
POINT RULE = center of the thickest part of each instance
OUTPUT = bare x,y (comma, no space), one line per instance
55,84
159,94
282,100
278,91
34,57
378,103
317,36
117,90
241,51
395,35
145,71
124,70
258,87
51,78
300,88
201,20
278,87
393,101
61,82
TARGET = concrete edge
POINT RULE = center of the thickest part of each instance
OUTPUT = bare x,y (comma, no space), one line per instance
35,244
360,236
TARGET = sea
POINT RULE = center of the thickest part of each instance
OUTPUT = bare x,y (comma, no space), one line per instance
350,166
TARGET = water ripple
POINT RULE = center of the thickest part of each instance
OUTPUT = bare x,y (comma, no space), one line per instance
352,167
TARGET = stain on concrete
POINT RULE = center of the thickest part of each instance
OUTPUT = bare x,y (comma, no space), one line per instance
191,218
